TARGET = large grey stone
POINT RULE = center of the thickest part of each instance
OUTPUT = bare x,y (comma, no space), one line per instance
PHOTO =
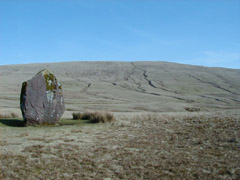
41,99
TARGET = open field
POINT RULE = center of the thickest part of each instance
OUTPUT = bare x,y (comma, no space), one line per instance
172,121
129,86
147,146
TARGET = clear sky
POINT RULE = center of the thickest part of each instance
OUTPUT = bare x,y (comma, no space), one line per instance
201,32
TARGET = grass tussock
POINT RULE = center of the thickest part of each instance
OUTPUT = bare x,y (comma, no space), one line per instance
94,117
192,109
8,116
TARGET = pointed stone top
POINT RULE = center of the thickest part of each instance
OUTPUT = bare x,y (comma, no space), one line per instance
45,71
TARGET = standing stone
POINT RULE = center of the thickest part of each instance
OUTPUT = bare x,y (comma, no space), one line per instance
41,99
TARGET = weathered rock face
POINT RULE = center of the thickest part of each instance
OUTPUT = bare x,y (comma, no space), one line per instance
41,99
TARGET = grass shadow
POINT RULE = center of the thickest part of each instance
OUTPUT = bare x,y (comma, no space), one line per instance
12,122
69,122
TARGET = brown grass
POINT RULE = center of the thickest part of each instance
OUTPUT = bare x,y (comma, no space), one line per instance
94,117
76,116
142,147
8,116
192,109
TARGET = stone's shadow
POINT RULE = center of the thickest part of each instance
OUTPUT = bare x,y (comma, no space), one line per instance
62,122
12,122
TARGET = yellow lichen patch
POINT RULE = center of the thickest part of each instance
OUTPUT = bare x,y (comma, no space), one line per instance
50,81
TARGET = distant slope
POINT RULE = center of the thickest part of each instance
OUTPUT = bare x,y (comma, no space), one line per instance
130,86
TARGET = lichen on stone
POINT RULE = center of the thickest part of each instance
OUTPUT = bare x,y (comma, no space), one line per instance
50,95
50,81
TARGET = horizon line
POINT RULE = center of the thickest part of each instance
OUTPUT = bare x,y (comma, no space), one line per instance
126,61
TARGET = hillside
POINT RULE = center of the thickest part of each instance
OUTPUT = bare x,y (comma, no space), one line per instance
130,86
138,144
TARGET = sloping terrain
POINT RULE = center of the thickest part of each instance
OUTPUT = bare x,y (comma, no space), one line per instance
154,135
130,86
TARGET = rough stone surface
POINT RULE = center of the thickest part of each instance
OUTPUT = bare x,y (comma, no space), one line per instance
41,99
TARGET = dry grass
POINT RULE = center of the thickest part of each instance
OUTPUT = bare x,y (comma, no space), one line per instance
192,109
8,116
141,147
77,116
94,117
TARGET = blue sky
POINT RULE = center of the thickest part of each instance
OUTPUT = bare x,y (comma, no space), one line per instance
199,32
